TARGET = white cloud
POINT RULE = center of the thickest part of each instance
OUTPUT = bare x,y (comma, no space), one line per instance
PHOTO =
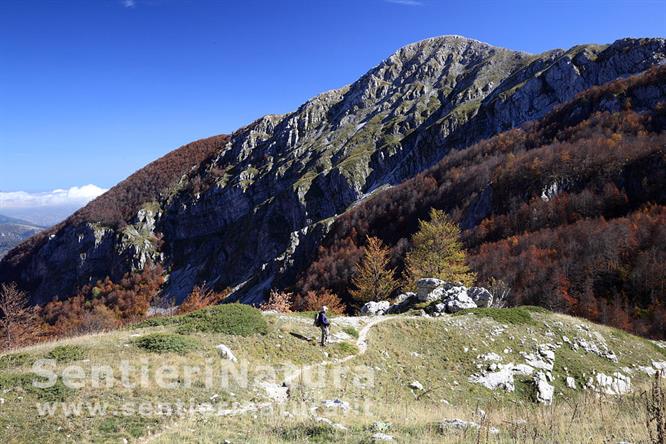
71,197
406,2
129,3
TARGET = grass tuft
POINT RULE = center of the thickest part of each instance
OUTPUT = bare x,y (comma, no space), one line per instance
165,343
67,353
351,331
15,360
309,433
230,319
514,315
346,348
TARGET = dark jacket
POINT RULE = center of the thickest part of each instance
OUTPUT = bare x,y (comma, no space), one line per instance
322,320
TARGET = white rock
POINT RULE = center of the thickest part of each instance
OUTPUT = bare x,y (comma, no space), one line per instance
617,384
571,382
545,391
328,422
416,385
501,378
457,424
381,437
225,353
440,308
373,308
537,362
490,357
522,369
546,352
336,404
660,366
460,302
425,288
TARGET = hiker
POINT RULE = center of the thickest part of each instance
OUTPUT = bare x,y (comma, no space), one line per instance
321,321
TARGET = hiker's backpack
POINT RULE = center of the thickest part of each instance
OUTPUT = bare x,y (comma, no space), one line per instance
317,320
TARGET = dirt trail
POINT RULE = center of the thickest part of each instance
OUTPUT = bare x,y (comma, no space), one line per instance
361,344
278,392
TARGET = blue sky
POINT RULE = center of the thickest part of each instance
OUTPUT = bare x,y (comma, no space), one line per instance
91,90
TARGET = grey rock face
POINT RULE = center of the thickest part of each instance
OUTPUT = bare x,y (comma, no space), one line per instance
270,195
480,296
426,287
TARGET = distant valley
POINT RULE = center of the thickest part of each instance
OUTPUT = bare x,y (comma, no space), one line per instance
14,231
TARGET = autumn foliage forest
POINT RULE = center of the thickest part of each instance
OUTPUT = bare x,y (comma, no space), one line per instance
567,211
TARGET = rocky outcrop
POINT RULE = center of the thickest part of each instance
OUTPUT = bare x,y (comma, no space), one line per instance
480,296
251,215
441,297
616,384
373,308
429,289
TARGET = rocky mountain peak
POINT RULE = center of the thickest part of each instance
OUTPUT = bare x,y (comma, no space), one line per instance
254,211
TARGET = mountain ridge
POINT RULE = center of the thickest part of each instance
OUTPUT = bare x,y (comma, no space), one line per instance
256,207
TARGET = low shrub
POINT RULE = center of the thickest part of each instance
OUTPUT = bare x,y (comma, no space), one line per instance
515,315
66,353
157,321
15,360
346,348
165,343
230,319
57,392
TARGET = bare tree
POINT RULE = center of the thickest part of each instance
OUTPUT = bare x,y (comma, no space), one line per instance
15,315
500,291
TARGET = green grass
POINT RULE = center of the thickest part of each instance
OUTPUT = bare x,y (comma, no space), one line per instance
441,353
230,319
120,427
15,360
346,348
67,353
351,331
310,432
165,343
23,382
514,316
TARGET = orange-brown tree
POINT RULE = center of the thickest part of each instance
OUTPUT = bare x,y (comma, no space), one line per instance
279,301
314,300
374,279
201,297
